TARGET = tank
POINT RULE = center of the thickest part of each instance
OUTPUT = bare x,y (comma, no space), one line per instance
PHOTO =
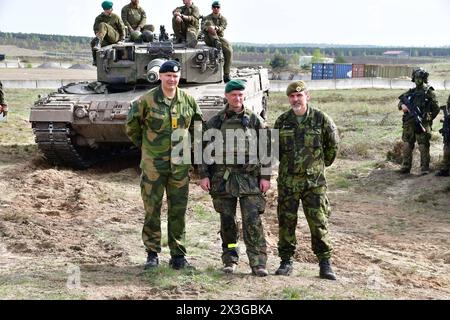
84,123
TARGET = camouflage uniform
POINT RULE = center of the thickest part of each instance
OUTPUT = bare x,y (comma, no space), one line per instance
230,182
425,99
305,149
150,124
3,105
110,28
221,23
187,30
445,165
134,17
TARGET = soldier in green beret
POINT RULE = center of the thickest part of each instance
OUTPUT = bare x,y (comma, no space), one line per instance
308,143
213,27
151,122
135,18
3,105
108,29
185,23
228,180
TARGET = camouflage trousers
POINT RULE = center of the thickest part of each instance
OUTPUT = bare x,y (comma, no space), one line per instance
153,185
227,50
317,211
445,164
251,208
108,34
184,31
409,138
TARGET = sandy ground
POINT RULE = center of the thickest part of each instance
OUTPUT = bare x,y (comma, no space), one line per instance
391,239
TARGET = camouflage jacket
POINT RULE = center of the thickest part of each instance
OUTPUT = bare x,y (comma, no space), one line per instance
236,180
2,95
219,21
113,20
192,13
133,16
425,98
151,122
306,149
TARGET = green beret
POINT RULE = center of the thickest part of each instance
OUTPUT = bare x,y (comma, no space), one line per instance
235,84
297,86
170,66
216,4
106,5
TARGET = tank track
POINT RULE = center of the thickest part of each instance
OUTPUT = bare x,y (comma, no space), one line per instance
54,140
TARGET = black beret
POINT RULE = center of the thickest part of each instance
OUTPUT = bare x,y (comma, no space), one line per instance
170,66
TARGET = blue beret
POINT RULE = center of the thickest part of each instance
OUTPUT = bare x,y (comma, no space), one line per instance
106,5
170,66
235,84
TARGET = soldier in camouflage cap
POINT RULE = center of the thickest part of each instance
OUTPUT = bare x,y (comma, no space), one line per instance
108,29
135,18
308,143
3,105
213,26
185,23
424,98
444,170
151,122
230,180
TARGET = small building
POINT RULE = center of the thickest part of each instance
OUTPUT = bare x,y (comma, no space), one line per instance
396,54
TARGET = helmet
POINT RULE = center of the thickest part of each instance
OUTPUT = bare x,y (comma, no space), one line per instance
147,36
135,36
420,73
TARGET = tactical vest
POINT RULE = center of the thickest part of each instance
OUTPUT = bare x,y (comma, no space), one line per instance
301,146
420,98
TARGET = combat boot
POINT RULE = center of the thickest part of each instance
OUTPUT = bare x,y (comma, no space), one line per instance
260,271
325,270
179,262
404,170
285,268
152,261
442,173
229,268
96,44
226,78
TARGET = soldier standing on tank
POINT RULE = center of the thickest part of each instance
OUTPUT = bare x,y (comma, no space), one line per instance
185,23
135,18
3,105
444,170
108,29
213,26
424,98
229,181
308,143
150,124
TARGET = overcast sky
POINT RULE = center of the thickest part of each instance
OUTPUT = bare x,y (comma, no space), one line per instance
367,22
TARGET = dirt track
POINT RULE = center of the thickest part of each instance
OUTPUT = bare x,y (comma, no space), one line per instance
388,243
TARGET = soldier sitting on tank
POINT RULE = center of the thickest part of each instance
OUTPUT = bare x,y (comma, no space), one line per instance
135,18
213,27
185,23
108,28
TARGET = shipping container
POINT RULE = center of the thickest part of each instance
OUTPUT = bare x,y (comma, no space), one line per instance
328,71
317,71
358,71
342,71
388,72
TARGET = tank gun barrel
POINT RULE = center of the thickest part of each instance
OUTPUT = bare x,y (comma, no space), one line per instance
153,70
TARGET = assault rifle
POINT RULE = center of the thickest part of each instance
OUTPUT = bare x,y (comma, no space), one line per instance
445,131
414,112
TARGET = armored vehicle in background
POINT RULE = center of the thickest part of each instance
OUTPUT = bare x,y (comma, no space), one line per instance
84,123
